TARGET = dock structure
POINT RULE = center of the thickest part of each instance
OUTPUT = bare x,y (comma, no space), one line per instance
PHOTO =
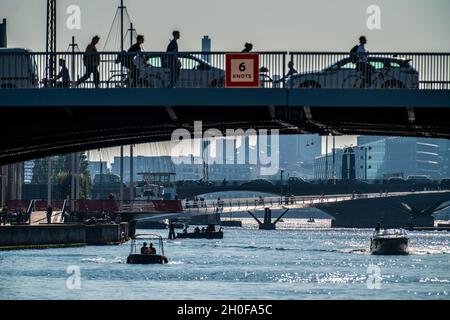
60,235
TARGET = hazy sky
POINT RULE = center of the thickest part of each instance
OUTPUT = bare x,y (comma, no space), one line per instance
271,25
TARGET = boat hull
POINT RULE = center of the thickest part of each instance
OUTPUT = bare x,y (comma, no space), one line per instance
396,246
201,235
146,259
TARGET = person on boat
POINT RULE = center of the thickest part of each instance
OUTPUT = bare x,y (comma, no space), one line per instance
91,221
19,215
151,249
171,231
2,216
144,248
49,214
378,227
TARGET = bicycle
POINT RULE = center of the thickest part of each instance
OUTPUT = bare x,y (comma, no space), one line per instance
383,79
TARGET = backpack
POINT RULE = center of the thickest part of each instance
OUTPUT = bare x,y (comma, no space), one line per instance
354,54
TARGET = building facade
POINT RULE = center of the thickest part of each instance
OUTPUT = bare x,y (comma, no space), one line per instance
389,156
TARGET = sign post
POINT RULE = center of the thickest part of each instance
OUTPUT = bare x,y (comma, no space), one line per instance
242,70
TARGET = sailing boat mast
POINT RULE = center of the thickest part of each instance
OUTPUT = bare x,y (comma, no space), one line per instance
121,8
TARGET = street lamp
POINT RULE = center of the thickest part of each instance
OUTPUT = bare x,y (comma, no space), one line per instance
281,181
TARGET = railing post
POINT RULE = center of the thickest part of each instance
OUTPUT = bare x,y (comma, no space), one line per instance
73,60
290,79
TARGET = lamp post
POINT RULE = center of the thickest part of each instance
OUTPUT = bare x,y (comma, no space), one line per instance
281,182
326,159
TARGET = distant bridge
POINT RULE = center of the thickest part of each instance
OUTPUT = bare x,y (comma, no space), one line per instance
397,209
45,121
312,188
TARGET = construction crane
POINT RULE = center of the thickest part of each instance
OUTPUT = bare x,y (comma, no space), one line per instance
51,39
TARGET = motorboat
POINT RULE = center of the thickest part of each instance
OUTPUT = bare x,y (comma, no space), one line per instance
209,233
137,257
389,242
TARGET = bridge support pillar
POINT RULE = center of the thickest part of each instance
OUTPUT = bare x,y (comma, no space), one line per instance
267,223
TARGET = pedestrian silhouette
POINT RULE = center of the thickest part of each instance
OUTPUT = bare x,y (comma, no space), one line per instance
358,55
91,61
171,60
134,70
248,47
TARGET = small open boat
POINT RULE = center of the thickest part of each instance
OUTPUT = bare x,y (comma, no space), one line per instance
209,233
137,257
200,235
389,242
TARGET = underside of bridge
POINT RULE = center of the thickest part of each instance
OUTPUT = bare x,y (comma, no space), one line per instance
412,210
39,122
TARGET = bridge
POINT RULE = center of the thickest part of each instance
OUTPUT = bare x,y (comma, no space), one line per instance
396,209
42,119
310,188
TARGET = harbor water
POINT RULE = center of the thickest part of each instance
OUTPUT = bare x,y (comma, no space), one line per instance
300,260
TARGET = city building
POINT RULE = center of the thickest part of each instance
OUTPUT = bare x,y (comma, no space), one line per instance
97,167
391,156
28,171
183,171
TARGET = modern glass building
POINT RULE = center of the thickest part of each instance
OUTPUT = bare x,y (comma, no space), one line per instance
390,156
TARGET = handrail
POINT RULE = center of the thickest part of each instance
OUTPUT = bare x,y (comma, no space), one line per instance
223,52
412,70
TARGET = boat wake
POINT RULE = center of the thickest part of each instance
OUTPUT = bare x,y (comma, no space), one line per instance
424,251
175,262
251,247
358,250
102,260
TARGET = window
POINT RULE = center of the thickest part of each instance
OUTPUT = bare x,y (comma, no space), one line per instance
377,64
154,62
348,66
189,64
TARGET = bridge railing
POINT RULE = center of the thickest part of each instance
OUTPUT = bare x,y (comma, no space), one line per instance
125,70
335,70
338,70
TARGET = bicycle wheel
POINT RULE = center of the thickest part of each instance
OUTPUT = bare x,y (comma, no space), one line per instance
117,81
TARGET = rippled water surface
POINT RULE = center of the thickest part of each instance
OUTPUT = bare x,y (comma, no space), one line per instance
289,263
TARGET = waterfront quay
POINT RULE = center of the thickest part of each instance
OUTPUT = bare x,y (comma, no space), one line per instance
42,236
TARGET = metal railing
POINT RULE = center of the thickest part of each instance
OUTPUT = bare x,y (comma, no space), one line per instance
243,204
335,70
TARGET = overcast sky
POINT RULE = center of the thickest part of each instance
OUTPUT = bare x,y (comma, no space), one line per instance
283,25
271,25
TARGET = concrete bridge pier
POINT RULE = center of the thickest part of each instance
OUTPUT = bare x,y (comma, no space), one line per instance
267,223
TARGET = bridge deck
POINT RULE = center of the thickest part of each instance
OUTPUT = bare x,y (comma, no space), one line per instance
215,97
300,202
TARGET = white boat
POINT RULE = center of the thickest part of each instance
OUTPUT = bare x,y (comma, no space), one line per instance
389,242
